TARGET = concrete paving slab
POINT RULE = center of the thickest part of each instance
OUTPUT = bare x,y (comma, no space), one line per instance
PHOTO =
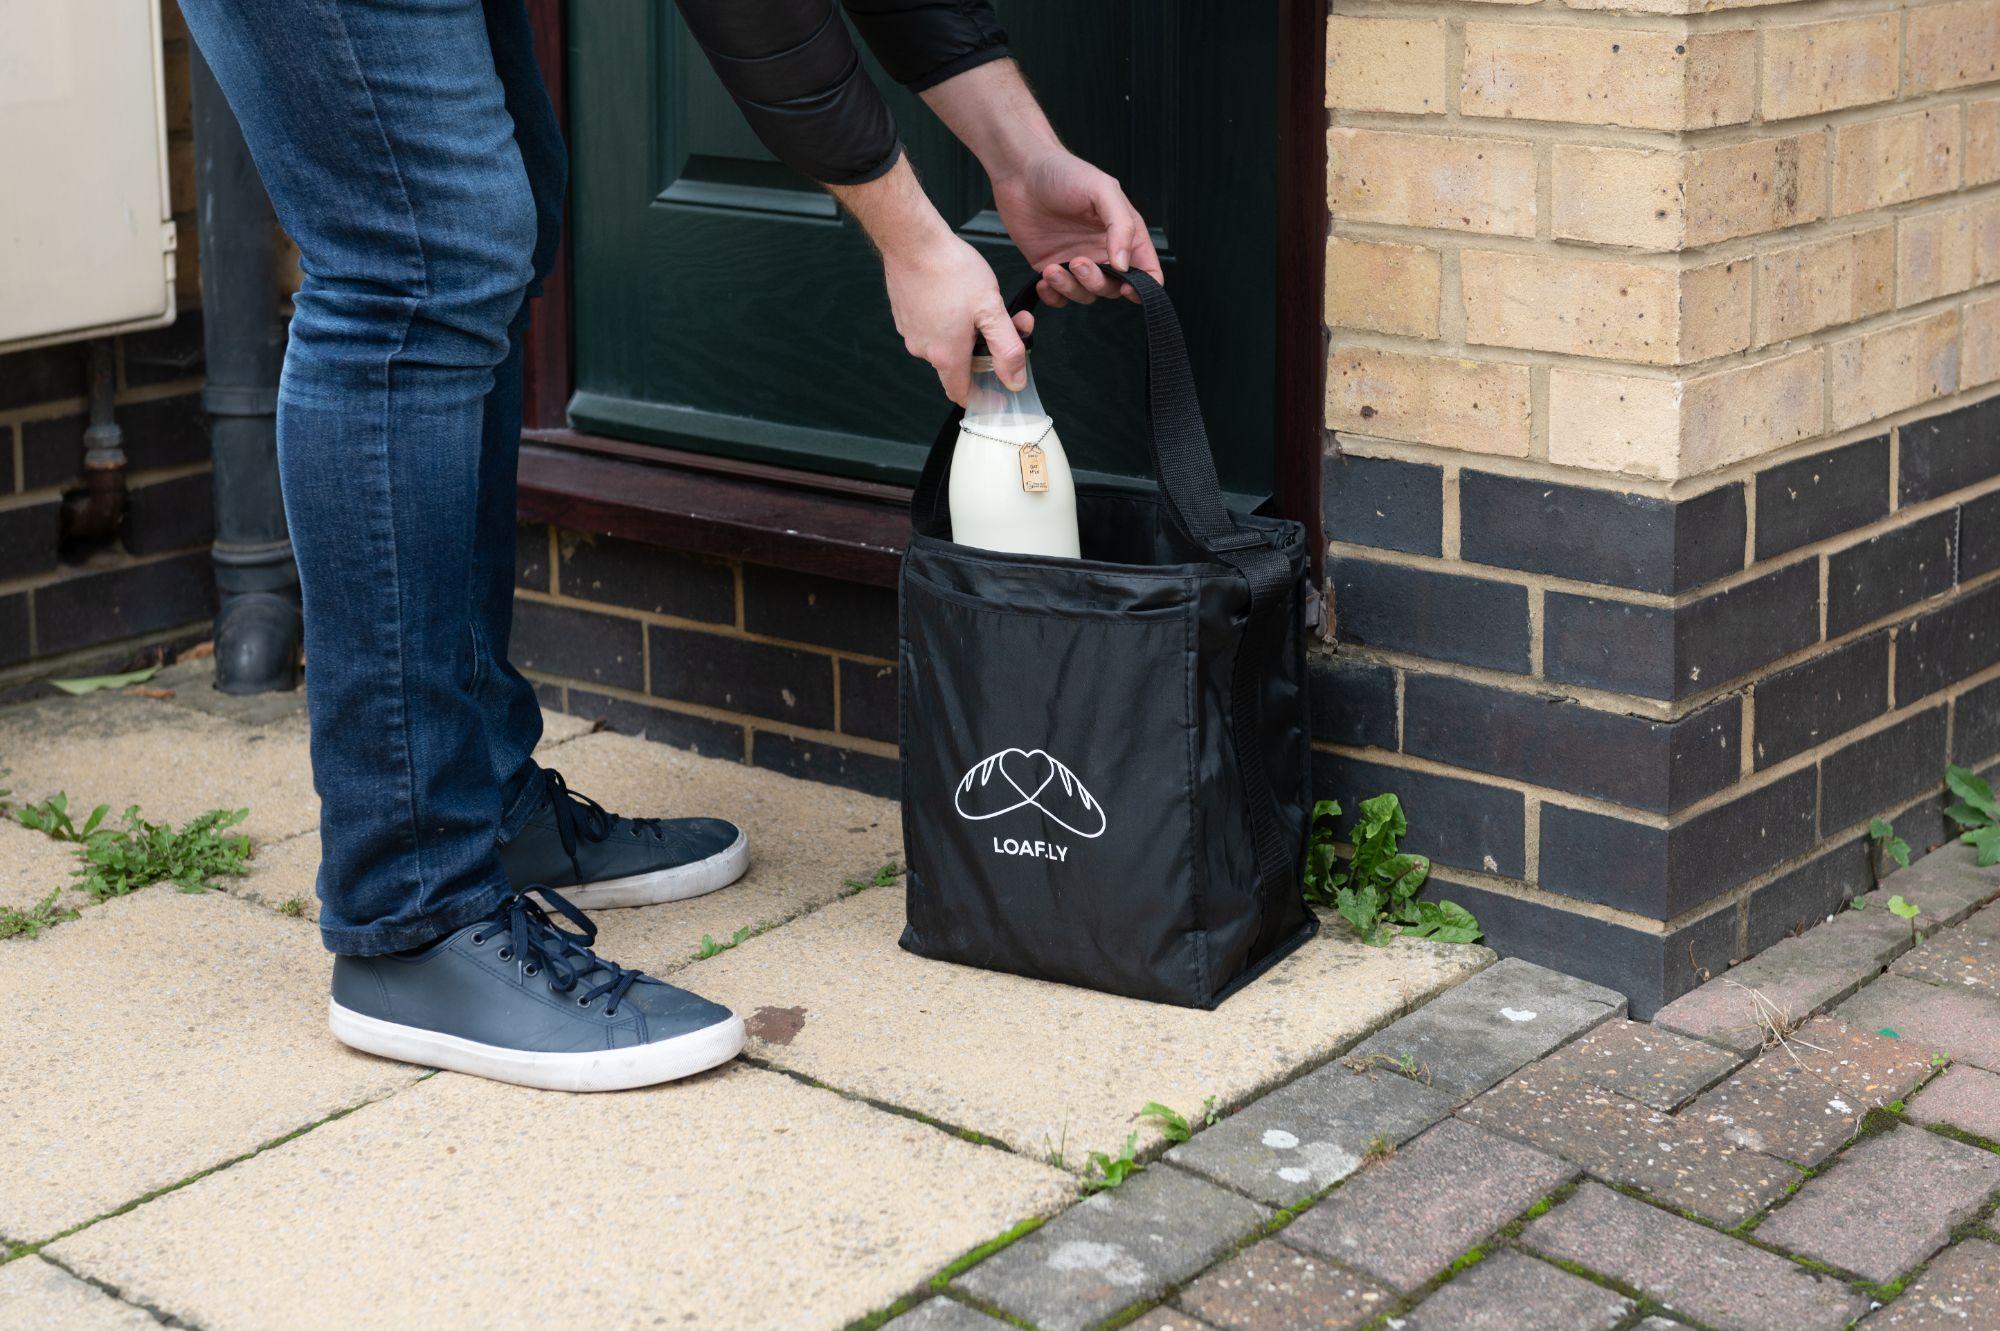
1688,1268
1509,1291
1308,1135
172,762
559,728
192,683
283,872
1490,1027
1047,1068
31,864
803,846
1114,1249
806,840
1887,1204
1406,1219
159,1035
36,1295
175,761
1271,1286
735,1201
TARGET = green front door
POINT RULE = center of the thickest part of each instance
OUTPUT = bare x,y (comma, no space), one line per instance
724,306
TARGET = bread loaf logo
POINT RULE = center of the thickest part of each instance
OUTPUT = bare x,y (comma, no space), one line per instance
1016,779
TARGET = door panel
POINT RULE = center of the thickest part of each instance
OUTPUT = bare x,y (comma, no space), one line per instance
724,305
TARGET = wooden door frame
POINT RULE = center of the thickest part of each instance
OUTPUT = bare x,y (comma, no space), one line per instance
854,529
548,375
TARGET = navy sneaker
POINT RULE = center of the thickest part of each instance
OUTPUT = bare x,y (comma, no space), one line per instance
518,998
599,859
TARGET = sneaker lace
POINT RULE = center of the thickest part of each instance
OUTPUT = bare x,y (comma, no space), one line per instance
541,945
580,818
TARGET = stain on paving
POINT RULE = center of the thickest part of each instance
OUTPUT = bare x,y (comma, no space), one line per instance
776,1025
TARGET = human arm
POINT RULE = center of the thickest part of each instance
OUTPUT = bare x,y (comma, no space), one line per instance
941,290
791,67
794,72
1067,217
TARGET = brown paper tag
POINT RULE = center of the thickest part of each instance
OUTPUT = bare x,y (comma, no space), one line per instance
1034,471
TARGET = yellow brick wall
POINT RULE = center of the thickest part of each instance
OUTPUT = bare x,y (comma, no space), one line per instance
1658,239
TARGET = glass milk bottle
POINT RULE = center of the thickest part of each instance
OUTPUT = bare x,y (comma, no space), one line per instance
1010,484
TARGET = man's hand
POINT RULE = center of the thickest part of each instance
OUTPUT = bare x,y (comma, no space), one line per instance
1069,219
939,296
940,291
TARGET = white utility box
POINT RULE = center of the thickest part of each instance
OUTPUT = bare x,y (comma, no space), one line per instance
86,226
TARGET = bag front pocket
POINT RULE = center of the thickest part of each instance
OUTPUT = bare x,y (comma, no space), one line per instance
1048,788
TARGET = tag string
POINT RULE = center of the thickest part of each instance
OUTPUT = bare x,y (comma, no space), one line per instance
994,438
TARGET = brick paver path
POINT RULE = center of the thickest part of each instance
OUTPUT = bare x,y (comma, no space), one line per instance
1811,1141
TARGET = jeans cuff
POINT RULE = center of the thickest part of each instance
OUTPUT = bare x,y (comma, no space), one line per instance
534,788
376,939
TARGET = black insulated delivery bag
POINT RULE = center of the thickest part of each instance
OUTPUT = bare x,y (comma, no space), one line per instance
1105,761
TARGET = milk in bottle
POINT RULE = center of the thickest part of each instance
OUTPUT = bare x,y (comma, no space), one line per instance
1010,484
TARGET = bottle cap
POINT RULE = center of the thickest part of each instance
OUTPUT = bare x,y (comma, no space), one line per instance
979,351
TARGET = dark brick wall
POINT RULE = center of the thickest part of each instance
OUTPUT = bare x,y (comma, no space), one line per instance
76,608
1642,736
754,664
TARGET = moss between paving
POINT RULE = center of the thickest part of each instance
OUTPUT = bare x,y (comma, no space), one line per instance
739,1199
1036,1065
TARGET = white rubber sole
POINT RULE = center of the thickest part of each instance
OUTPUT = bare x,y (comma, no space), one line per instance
675,884
593,1070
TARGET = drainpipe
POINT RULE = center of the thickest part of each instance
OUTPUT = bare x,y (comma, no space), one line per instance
257,628
94,512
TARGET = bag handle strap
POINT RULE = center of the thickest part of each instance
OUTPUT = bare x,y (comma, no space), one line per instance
1187,477
1178,441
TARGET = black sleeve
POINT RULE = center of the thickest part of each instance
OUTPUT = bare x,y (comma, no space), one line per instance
924,42
793,70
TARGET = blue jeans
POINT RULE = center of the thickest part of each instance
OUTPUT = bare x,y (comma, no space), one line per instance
410,150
